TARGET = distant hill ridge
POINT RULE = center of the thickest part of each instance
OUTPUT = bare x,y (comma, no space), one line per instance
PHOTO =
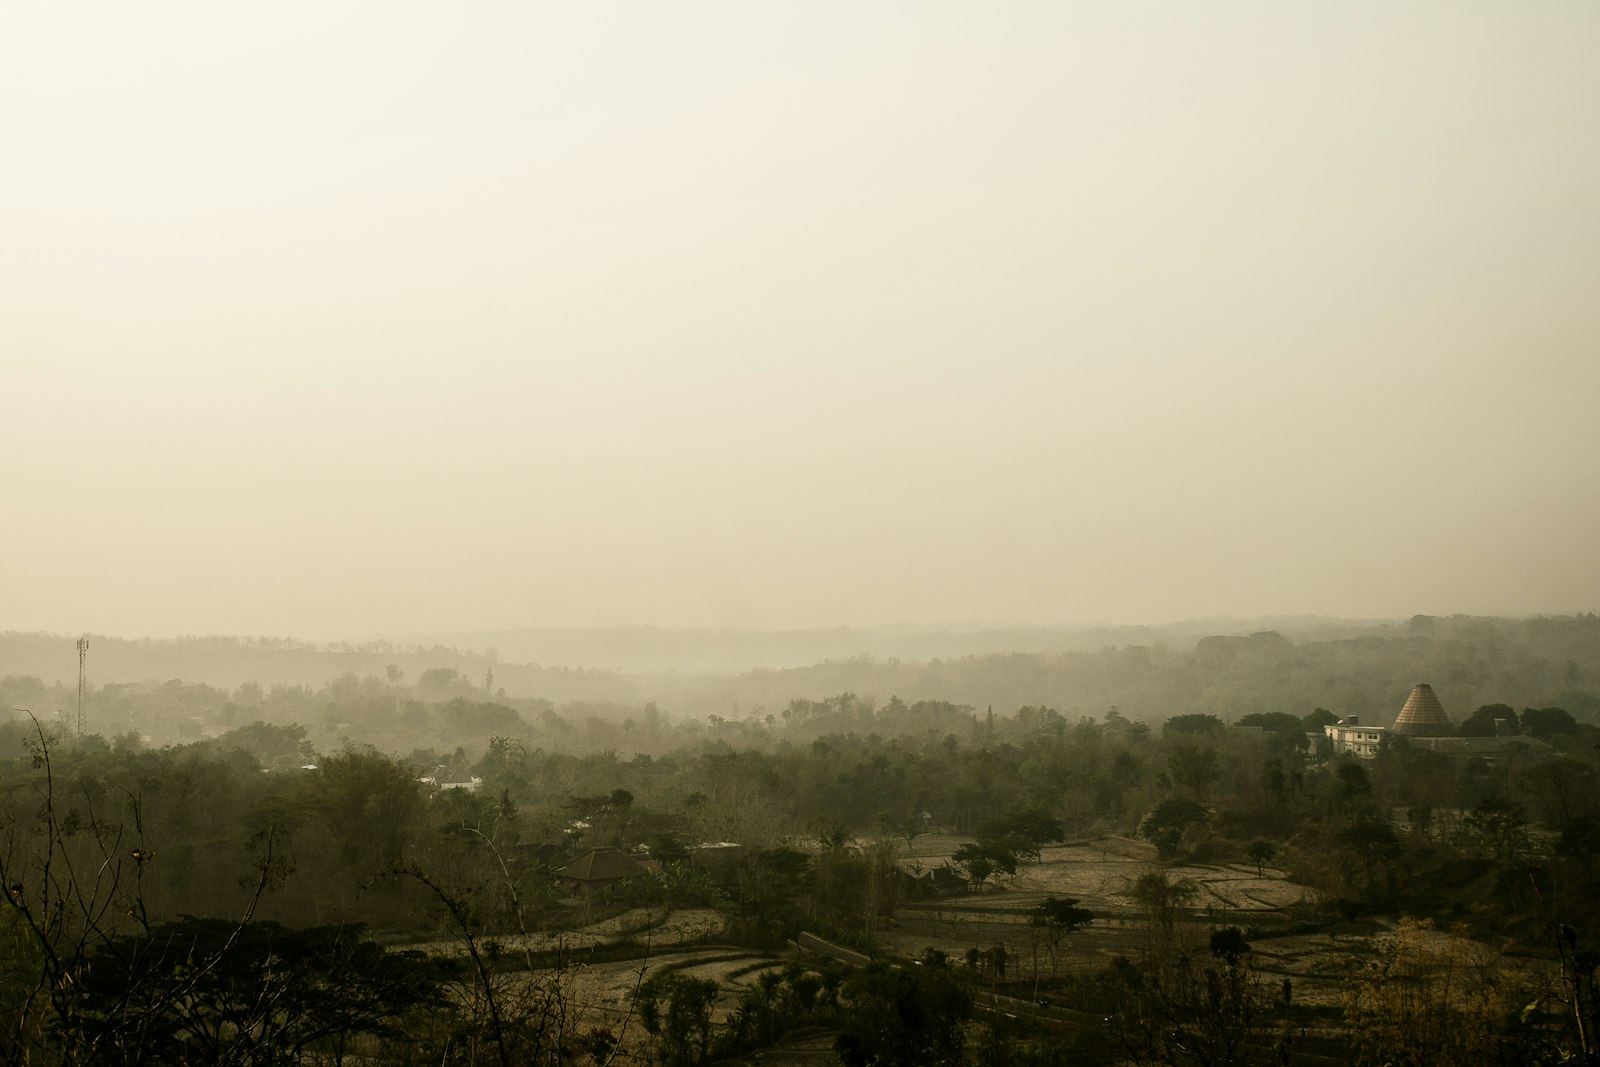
728,650
1147,672
233,659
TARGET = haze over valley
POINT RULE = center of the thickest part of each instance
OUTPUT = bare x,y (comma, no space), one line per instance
1361,669
870,533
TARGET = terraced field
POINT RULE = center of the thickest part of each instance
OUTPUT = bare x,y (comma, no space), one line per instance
1100,875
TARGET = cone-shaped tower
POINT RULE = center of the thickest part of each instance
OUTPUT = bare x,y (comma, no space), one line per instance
1423,715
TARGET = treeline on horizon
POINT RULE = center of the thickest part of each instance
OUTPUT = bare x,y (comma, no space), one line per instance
1469,661
229,659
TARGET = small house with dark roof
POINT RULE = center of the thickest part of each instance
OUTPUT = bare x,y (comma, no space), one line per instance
445,778
945,881
599,869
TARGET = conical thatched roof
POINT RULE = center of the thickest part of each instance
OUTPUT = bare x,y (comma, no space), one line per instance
1423,715
602,865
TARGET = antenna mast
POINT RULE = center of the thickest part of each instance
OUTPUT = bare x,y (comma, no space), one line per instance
83,678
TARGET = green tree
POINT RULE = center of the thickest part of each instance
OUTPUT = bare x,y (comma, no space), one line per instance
1178,1007
1021,834
1171,822
199,991
1315,720
274,746
369,804
1375,847
1273,722
1161,898
1481,723
1352,785
983,859
1498,828
683,1027
1261,852
1194,767
1193,725
1548,723
441,678
903,1017
768,884
1058,917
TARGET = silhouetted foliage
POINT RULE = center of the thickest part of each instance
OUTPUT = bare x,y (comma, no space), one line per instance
903,1017
201,991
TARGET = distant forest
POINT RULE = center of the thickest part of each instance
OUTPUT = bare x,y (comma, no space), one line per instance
1349,668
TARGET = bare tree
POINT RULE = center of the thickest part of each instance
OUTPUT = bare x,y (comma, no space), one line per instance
74,882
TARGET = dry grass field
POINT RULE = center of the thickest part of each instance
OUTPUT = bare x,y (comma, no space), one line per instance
1099,874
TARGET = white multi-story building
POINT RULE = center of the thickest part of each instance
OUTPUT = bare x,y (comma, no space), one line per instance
1348,735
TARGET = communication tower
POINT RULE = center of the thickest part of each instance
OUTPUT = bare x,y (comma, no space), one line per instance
83,678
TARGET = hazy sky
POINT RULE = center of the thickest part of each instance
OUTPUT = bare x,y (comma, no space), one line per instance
339,319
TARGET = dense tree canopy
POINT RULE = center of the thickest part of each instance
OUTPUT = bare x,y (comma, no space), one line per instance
267,827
